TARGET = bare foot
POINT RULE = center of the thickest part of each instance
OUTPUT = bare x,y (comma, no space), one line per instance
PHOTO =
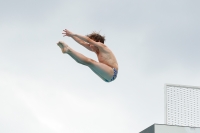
64,47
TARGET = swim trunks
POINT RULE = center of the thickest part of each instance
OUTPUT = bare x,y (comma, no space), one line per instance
114,75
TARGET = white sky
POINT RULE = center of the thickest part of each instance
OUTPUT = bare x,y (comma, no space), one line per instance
44,91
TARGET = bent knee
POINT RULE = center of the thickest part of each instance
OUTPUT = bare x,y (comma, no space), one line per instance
90,61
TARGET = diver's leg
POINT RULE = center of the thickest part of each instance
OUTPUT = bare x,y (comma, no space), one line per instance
103,71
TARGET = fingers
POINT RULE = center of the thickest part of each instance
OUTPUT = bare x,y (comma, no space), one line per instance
66,33
65,30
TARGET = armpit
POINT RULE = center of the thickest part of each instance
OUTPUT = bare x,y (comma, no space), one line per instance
94,48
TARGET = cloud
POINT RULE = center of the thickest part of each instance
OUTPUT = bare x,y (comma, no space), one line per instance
41,89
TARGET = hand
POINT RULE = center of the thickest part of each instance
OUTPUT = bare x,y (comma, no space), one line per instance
67,33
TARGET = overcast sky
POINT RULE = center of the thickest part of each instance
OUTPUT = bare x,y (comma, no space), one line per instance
44,91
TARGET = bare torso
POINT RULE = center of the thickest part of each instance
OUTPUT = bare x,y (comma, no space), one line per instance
106,56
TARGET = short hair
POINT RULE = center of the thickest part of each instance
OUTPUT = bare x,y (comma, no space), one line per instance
96,37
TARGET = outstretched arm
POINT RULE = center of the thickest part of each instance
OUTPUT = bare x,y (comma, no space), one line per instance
83,38
83,43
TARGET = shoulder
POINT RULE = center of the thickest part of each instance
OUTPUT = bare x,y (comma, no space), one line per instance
101,45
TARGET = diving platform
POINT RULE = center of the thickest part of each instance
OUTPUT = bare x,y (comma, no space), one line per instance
162,128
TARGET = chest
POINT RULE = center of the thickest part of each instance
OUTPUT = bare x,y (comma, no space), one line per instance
103,56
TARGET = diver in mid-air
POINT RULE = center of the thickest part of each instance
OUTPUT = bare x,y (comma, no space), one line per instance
106,68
